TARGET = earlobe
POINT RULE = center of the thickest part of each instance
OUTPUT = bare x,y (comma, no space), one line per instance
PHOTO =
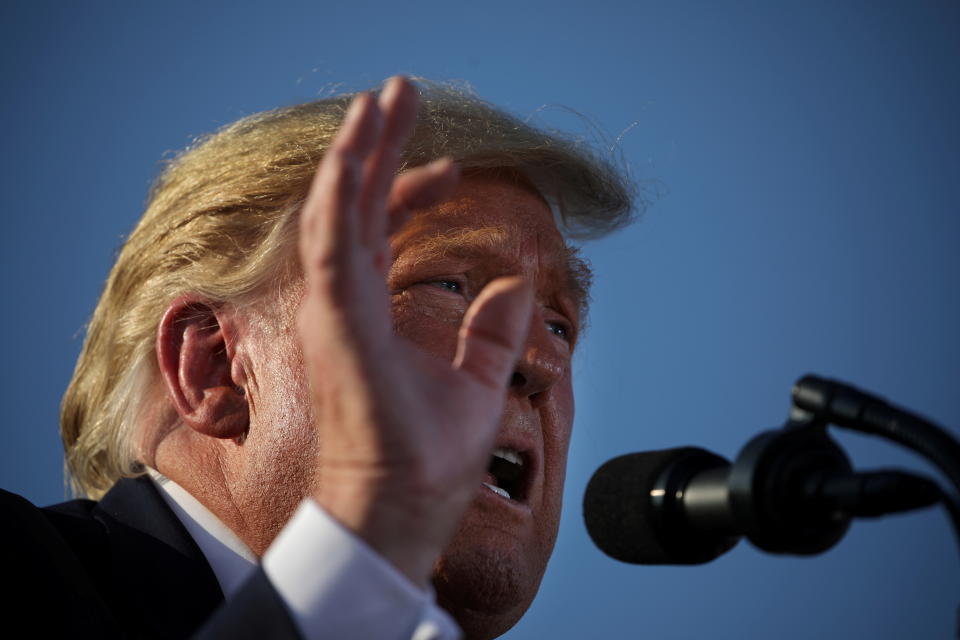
196,360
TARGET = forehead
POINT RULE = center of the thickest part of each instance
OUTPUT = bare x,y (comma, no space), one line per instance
498,216
486,210
505,196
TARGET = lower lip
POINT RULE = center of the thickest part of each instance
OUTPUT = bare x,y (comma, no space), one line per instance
487,497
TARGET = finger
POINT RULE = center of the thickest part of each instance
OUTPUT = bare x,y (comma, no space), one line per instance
421,188
328,221
493,331
398,101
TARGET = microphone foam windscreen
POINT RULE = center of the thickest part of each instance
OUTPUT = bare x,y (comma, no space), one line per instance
617,508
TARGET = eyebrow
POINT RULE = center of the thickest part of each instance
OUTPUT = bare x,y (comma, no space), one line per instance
461,243
471,243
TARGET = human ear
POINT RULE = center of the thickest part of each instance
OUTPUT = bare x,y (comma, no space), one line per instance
195,355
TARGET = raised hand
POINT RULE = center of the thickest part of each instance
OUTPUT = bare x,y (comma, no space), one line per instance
404,437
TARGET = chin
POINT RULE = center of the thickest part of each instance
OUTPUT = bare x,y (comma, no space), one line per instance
487,589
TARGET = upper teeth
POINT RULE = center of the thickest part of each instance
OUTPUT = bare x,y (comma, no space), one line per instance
510,455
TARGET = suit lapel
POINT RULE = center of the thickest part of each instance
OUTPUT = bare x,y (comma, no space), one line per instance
166,587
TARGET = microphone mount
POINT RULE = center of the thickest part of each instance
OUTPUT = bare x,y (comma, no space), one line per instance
790,490
769,490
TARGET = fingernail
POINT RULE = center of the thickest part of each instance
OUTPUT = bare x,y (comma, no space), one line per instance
357,106
390,89
442,165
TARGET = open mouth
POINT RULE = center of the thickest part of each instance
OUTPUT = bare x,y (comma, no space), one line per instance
507,474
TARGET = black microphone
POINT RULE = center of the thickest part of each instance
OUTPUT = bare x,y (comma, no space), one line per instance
634,508
789,491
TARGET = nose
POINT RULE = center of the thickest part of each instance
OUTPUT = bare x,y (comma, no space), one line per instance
543,362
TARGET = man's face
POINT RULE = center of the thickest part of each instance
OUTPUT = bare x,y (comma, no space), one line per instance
442,259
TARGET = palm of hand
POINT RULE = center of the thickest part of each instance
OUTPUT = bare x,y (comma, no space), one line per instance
405,436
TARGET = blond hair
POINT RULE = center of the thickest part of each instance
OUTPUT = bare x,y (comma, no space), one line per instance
221,222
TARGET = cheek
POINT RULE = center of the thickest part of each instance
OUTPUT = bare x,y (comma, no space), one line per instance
281,412
563,408
429,323
281,451
556,439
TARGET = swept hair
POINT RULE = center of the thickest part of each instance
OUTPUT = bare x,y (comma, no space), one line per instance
221,221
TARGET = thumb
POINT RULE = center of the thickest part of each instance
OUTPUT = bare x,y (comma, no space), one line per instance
493,331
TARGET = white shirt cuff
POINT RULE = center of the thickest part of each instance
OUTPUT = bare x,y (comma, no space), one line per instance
338,587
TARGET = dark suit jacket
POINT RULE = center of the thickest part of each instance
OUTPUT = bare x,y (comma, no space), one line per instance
122,567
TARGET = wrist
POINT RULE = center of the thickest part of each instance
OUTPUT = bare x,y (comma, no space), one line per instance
389,520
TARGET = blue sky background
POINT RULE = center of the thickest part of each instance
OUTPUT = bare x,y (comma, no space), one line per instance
803,159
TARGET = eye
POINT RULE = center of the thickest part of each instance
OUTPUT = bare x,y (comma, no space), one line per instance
449,285
560,330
